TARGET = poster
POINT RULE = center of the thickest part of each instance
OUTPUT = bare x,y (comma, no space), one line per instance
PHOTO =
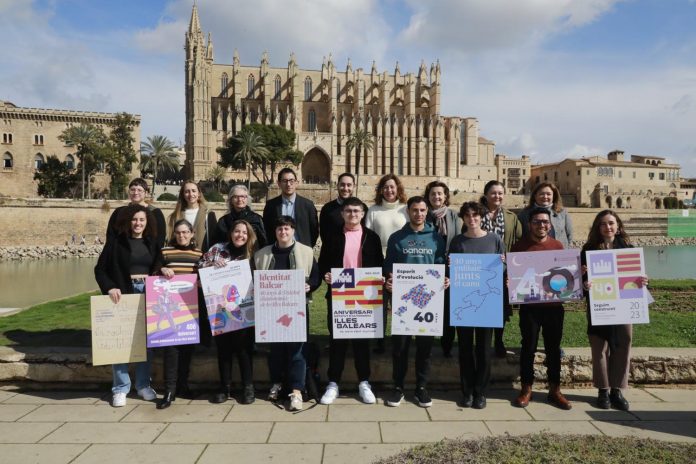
118,330
280,306
171,310
476,290
356,299
544,276
616,295
229,296
418,299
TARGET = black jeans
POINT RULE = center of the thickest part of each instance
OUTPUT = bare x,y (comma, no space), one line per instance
474,360
239,344
448,331
177,365
400,346
549,319
338,349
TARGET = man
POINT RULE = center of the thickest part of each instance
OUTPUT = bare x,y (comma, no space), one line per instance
289,203
353,246
331,215
137,193
547,317
430,249
238,203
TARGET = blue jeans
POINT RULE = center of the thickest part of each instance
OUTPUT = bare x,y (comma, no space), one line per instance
287,362
121,382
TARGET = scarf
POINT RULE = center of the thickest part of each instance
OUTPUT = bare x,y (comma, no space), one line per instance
441,220
495,225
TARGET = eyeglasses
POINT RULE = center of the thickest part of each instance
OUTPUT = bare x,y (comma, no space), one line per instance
352,211
541,222
288,181
240,197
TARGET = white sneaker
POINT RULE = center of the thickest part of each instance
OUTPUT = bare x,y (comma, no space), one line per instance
365,391
295,401
274,392
147,393
118,400
330,394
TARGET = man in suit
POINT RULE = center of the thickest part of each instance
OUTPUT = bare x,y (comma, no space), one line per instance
289,203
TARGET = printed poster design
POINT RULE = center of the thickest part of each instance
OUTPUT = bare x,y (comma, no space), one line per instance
280,306
118,330
418,299
356,299
229,296
552,276
171,310
476,290
616,295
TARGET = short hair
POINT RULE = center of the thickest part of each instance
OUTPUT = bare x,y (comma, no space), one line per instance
538,210
181,222
476,208
415,199
353,201
557,202
126,214
232,189
284,171
400,192
346,174
140,182
432,185
284,221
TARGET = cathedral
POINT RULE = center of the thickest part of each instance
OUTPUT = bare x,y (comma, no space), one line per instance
323,107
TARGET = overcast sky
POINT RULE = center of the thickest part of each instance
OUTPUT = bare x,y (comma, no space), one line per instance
547,78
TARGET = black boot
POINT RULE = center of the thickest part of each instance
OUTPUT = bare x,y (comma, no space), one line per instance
603,399
222,396
617,400
248,396
166,400
184,391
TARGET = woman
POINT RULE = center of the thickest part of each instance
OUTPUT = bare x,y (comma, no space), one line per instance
238,204
385,217
123,264
546,195
286,361
192,206
448,225
137,194
475,364
505,224
610,344
240,244
180,257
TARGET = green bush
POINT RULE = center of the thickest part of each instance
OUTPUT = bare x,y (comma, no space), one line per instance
214,196
166,196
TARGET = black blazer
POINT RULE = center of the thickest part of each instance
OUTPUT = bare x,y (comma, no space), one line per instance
113,267
307,229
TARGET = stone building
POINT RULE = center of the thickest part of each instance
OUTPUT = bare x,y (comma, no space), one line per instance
323,107
597,181
513,172
30,136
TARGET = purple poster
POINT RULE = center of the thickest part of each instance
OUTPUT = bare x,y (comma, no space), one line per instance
544,276
171,310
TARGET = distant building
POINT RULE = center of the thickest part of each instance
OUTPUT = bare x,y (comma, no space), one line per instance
30,136
513,173
610,182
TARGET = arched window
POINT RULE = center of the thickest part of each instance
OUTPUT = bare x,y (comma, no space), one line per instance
251,83
38,161
277,85
308,88
7,160
312,121
70,162
224,80
338,89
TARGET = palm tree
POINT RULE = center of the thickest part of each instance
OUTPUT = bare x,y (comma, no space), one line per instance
85,138
251,148
217,174
157,155
361,140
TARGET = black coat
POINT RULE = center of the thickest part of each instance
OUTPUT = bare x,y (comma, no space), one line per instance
307,229
160,223
113,267
222,230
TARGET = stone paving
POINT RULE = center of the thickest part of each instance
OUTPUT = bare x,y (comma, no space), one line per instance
81,427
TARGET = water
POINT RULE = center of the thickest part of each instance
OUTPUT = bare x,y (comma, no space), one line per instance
26,283
673,262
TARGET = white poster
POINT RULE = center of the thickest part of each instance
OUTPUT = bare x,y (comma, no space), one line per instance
229,296
280,305
356,300
118,330
616,294
418,299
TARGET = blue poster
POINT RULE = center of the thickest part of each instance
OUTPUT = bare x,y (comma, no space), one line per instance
476,290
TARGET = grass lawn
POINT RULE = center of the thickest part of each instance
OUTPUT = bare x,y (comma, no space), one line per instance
672,321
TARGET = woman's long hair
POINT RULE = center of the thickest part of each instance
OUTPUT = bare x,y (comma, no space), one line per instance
557,202
400,192
181,204
125,215
594,238
250,247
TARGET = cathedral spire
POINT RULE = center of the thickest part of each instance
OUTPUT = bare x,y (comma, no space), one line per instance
195,24
209,49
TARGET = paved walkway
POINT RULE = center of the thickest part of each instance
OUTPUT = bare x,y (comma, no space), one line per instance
81,427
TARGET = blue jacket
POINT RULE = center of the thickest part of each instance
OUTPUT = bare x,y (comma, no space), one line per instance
406,246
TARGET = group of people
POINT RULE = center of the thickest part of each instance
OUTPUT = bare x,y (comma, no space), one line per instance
354,235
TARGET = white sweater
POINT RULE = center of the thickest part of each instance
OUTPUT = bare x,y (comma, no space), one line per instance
385,219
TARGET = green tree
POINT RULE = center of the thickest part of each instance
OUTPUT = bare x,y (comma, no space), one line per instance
56,179
121,153
89,141
158,155
260,149
362,141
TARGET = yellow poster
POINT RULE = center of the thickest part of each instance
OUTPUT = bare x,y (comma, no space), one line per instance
118,330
